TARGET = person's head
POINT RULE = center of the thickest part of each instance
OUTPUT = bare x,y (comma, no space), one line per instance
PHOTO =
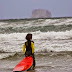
28,36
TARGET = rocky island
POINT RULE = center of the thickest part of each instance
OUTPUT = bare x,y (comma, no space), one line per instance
41,13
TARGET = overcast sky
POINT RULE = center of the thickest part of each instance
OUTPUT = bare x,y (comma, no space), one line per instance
23,8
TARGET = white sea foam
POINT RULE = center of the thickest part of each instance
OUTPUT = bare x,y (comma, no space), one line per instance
44,41
58,21
5,55
35,23
2,24
53,35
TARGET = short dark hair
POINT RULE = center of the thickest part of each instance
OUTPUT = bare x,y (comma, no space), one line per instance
28,36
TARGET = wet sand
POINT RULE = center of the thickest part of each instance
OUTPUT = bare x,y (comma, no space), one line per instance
46,62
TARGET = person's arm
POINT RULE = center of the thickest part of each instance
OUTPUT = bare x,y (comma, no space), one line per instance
32,46
24,48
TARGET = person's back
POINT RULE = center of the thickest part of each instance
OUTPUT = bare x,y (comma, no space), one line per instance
28,47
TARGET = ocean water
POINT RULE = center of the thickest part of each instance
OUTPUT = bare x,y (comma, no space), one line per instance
52,38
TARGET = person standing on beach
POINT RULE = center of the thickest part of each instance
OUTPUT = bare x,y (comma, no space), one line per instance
28,48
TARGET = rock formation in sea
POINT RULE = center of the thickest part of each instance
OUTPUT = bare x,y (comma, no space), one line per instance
41,13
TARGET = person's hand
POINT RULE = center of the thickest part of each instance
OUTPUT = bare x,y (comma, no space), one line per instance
26,55
31,55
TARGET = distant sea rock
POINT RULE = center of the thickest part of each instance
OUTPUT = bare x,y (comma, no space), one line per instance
41,13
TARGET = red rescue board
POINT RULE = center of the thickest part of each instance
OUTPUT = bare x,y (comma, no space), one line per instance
25,64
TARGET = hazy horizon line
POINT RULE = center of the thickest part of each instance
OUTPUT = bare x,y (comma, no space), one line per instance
36,18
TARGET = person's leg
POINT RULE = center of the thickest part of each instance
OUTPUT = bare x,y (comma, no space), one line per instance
33,61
